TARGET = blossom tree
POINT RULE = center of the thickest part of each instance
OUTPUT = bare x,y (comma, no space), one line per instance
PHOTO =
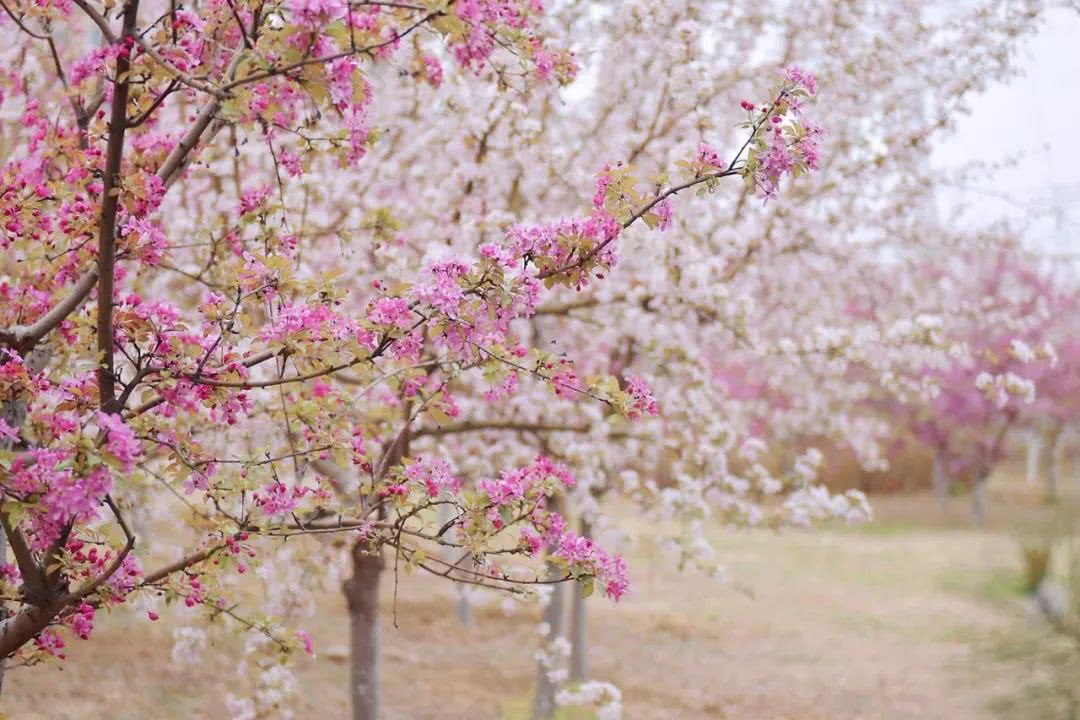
1000,309
358,289
713,312
183,364
1056,404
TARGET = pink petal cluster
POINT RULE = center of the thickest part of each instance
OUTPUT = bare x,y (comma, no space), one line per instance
277,498
120,440
433,475
642,400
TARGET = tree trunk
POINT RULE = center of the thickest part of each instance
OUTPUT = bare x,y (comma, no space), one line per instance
3,614
544,707
579,648
7,413
978,499
941,482
1034,455
1051,447
462,594
362,596
14,414
554,613
463,606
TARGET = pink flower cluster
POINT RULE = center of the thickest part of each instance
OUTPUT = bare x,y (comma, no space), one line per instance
144,240
433,475
89,561
62,494
788,149
391,312
433,70
120,442
482,16
277,498
316,13
514,486
796,77
708,157
642,401
295,321
82,621
546,246
588,557
440,286
665,211
508,386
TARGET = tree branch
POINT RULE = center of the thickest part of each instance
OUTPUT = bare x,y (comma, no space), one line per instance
33,578
117,561
494,425
23,338
114,155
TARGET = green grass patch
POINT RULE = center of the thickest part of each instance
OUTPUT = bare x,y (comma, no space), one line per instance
997,585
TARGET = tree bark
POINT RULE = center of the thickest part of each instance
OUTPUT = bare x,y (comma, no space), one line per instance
978,499
3,613
1034,455
14,414
941,482
1051,446
463,605
554,613
544,707
362,596
462,601
110,205
579,648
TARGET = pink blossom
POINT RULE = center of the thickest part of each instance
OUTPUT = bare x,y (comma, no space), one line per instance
121,441
305,638
642,401
800,78
709,157
394,312
314,13
82,621
434,475
433,70
665,211
277,498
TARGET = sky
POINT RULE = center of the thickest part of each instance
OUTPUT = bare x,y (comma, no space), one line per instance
1030,119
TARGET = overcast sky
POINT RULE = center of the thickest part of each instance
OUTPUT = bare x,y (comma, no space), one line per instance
1032,118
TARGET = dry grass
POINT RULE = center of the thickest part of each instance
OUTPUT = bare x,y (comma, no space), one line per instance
875,623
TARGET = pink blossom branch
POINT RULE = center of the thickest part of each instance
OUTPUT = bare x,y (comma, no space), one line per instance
661,197
586,257
33,577
274,72
24,338
117,562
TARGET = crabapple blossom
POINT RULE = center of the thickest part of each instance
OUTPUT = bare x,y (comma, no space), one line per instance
316,269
